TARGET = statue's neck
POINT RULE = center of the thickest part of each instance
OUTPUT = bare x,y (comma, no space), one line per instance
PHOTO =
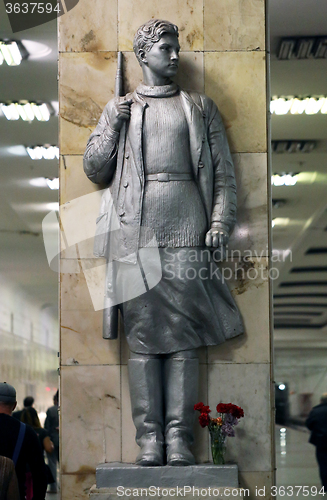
154,80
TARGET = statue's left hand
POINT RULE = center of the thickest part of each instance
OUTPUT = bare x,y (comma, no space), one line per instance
216,238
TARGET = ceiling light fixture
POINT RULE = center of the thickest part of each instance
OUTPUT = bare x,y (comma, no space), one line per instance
284,180
45,152
313,47
280,221
27,111
53,183
292,146
298,106
11,53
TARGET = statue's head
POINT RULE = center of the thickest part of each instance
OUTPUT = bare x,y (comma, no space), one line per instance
150,33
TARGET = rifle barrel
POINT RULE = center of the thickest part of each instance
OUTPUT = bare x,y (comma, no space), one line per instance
119,84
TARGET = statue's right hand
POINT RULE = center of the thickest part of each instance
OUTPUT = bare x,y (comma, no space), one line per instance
119,113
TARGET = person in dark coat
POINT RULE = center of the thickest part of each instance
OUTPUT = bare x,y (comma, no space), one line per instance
30,451
27,403
51,425
317,424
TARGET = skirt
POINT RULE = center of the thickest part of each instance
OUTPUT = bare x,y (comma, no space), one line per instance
191,306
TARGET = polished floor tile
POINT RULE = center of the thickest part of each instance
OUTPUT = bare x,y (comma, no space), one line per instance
296,465
52,496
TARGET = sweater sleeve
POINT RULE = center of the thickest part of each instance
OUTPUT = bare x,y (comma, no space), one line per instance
101,151
224,196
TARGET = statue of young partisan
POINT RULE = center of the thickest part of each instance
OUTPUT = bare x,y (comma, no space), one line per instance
164,155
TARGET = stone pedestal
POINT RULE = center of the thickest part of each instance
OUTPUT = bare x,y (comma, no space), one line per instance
134,476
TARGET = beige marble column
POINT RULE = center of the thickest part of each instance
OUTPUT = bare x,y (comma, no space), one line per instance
222,54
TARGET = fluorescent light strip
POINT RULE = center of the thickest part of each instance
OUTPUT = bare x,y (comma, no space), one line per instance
53,183
284,180
296,106
10,53
27,111
43,152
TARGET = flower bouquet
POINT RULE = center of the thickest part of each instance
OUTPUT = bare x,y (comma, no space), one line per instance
220,427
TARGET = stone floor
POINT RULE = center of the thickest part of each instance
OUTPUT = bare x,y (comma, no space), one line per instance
53,496
296,464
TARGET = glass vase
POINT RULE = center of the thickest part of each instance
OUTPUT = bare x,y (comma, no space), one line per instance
218,446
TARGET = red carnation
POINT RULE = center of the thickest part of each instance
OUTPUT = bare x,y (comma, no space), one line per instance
204,419
234,410
202,408
223,408
237,412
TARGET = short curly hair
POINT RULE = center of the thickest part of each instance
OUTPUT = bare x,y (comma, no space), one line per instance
150,33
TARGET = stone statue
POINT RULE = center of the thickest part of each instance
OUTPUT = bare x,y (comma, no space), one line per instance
164,155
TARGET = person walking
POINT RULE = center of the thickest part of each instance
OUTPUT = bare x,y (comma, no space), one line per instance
29,416
19,442
51,424
317,424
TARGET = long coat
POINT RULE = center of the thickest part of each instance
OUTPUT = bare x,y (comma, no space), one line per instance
116,159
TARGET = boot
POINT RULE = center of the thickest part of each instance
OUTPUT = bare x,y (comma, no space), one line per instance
145,385
181,392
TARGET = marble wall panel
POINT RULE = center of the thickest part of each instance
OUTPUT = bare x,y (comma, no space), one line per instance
89,27
257,482
234,25
236,82
247,385
74,293
249,285
82,342
73,181
187,15
250,235
90,413
86,85
77,486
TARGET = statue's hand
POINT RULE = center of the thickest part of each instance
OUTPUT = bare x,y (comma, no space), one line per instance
119,113
216,238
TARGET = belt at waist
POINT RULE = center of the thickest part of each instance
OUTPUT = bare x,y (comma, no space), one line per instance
166,177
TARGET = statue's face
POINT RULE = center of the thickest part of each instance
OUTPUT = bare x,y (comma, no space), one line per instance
163,57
